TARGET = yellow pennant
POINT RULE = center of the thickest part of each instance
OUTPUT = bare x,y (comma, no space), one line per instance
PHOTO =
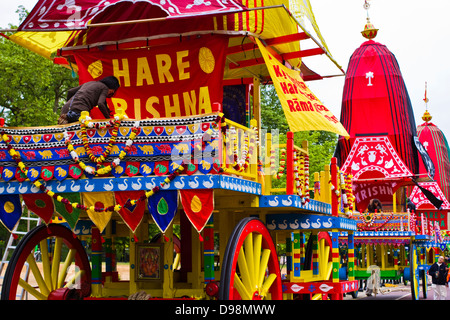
303,111
98,200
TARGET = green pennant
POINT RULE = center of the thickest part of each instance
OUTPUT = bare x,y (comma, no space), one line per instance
70,214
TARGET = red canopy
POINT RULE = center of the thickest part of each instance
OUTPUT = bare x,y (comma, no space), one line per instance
376,103
70,15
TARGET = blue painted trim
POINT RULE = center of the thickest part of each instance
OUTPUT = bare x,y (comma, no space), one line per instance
293,201
302,221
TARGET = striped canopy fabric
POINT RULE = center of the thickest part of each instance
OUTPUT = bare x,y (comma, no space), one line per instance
376,103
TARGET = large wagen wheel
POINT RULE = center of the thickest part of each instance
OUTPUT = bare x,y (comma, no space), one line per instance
414,271
251,270
64,273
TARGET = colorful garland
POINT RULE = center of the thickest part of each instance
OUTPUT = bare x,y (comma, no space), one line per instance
84,123
368,220
240,164
99,160
16,156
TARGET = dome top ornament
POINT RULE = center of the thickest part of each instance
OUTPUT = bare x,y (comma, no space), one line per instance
369,31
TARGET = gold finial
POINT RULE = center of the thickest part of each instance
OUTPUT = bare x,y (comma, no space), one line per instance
369,31
426,116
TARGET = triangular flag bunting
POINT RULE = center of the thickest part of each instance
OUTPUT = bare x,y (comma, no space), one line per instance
131,215
34,173
118,170
40,204
10,210
132,168
198,206
75,171
66,210
163,206
99,200
8,173
47,172
146,168
61,172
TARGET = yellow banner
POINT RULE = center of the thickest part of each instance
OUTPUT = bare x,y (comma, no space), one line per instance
303,111
99,200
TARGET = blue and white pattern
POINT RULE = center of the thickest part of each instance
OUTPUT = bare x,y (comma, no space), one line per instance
301,221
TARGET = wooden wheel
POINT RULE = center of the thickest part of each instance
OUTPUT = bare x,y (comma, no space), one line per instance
250,267
65,272
423,276
414,271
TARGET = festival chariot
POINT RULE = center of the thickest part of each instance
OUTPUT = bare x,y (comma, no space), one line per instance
185,149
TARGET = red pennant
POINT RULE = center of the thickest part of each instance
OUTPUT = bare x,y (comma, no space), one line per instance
131,215
158,130
132,168
26,139
198,206
75,171
190,168
20,176
47,172
47,137
41,204
181,129
161,168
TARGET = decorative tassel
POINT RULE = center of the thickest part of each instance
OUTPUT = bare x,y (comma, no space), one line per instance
200,237
135,238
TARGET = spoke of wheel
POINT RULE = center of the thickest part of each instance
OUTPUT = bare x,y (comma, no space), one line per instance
243,269
37,275
263,266
257,256
240,287
67,263
267,284
31,290
72,280
46,263
56,261
248,246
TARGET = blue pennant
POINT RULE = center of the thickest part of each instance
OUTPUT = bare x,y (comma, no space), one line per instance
10,210
61,172
163,206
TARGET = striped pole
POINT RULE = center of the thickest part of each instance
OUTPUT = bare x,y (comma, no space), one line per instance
289,256
96,261
208,251
335,254
296,254
302,249
315,255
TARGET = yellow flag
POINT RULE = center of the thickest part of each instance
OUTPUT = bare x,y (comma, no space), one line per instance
303,111
99,200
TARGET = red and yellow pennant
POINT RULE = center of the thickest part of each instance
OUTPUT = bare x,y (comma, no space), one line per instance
198,206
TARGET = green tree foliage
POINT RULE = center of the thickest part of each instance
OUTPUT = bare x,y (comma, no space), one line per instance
321,144
33,88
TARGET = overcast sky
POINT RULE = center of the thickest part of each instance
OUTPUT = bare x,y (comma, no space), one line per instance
416,32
